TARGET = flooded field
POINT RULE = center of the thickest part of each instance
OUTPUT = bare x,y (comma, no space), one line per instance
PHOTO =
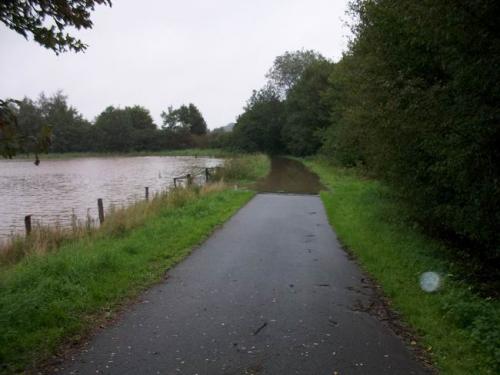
289,176
57,189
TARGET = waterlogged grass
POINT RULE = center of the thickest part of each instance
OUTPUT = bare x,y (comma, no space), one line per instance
245,168
200,152
51,298
460,329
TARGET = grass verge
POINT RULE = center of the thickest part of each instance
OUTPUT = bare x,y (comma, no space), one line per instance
460,329
52,298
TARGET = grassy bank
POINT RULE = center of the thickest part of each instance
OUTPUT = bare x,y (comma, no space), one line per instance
460,329
47,299
60,283
197,152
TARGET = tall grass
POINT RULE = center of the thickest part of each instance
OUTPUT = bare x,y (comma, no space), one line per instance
45,239
244,168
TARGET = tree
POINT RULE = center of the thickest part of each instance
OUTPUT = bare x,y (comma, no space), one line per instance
47,21
420,105
197,123
70,131
288,68
14,138
125,129
307,112
258,128
184,119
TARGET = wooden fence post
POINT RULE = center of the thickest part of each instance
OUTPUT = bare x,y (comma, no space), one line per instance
27,224
175,182
147,192
207,175
100,208
189,179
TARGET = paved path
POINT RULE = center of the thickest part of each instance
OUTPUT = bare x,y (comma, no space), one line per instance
269,293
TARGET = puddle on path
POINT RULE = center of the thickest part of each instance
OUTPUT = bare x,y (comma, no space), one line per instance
289,176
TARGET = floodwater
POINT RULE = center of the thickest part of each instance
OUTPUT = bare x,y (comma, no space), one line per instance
56,189
289,176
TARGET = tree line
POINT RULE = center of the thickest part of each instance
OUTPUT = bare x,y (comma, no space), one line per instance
114,129
414,101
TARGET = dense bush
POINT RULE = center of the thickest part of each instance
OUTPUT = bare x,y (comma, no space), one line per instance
417,102
258,129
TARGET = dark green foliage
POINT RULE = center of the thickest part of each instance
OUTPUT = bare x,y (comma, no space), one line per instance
14,138
127,129
419,106
287,113
307,113
70,131
46,20
186,119
259,127
288,68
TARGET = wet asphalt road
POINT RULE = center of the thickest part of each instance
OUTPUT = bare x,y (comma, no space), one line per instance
269,293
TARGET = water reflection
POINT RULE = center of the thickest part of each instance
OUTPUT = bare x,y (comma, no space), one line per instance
289,176
51,191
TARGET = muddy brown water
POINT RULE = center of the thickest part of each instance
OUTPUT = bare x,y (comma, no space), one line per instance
56,189
289,176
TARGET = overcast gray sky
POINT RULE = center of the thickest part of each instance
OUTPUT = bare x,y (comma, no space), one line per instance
158,53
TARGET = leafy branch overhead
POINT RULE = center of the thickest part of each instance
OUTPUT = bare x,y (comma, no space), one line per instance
46,21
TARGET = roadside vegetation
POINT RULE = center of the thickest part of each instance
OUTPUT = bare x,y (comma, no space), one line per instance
59,283
413,102
244,169
411,110
459,324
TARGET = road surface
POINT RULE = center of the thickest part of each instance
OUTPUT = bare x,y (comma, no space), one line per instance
271,292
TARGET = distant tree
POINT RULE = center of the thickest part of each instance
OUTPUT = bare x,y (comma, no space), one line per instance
125,129
29,116
185,118
145,132
70,131
258,128
307,111
25,134
197,123
288,68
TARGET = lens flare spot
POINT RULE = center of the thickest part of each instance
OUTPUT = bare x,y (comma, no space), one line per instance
430,281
